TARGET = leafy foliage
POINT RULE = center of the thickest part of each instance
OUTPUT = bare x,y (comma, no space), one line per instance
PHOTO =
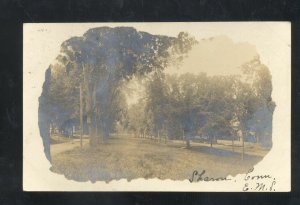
101,61
213,106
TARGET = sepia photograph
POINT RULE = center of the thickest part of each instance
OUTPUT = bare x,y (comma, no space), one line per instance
128,102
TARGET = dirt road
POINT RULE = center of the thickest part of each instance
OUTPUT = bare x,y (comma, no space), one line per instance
130,158
66,146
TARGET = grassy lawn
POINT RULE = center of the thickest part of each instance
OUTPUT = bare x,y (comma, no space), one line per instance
131,158
59,138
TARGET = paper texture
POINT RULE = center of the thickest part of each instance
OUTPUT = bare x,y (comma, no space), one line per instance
221,49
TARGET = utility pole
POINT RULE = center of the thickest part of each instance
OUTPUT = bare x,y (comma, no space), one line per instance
81,113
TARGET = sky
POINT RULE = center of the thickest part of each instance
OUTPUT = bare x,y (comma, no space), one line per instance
216,56
220,51
230,44
223,46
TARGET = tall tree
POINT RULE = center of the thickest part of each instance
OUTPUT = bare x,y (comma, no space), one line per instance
102,60
258,76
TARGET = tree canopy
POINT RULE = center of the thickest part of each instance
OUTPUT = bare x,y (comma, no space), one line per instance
95,67
214,106
101,61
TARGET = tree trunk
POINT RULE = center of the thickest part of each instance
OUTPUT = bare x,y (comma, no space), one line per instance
243,146
81,113
158,136
188,144
166,137
89,108
96,129
51,128
89,121
232,144
95,113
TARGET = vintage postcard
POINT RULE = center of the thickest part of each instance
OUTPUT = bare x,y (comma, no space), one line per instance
157,107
